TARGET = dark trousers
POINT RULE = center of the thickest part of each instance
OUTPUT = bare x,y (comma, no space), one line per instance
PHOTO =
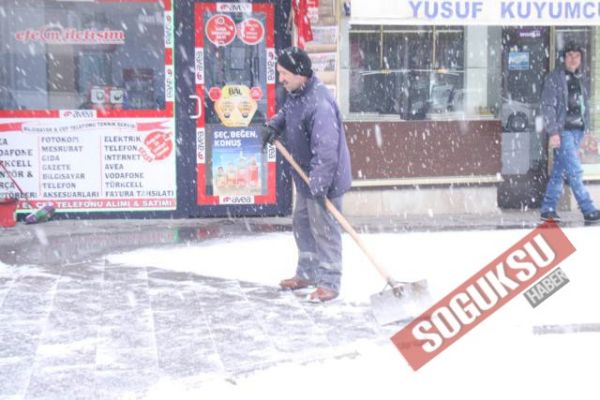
319,241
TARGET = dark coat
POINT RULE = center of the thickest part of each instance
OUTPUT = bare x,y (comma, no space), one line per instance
313,133
555,102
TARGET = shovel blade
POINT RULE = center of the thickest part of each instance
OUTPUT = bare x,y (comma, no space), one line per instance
389,307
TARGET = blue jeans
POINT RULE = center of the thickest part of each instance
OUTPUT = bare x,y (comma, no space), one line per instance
319,240
567,165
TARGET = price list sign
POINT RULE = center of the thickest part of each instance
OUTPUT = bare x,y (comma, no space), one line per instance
91,165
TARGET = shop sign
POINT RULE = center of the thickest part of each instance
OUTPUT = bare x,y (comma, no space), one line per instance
476,12
80,163
245,8
54,34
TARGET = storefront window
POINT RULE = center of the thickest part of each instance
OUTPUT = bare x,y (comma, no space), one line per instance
365,62
406,71
81,55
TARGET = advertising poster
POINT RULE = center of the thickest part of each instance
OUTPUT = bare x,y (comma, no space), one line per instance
235,77
325,66
85,165
98,133
518,61
236,163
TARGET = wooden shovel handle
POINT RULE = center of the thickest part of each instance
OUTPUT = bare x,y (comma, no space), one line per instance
338,216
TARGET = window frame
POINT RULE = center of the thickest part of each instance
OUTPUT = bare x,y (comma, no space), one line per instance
355,73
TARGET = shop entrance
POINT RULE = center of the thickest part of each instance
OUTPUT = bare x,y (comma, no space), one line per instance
525,63
146,108
528,55
225,67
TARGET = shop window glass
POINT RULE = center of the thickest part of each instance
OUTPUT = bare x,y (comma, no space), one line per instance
81,55
407,58
405,71
447,78
365,63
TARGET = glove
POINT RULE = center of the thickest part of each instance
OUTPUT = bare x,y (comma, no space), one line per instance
269,134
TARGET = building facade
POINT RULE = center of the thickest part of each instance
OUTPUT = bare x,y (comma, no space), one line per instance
441,100
153,108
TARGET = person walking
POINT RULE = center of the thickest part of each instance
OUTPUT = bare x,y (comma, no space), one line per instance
566,114
310,125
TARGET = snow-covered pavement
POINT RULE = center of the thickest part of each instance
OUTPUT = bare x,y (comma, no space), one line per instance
204,319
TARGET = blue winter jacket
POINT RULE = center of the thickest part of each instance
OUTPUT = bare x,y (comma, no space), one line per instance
313,133
555,102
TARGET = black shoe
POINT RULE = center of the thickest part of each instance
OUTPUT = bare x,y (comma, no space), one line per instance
550,216
594,216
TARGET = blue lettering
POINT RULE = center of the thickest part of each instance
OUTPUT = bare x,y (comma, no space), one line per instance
465,13
431,12
588,13
524,10
572,10
555,10
531,9
415,8
506,10
477,7
446,9
539,8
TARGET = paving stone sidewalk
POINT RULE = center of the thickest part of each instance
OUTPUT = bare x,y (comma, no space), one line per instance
73,326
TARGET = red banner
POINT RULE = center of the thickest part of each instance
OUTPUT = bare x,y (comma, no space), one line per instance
481,295
302,22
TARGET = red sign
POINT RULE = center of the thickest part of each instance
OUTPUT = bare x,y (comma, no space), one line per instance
251,31
158,146
482,294
220,30
214,93
256,93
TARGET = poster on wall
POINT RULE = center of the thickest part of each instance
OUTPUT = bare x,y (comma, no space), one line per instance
518,61
325,66
91,165
235,163
325,39
98,133
235,77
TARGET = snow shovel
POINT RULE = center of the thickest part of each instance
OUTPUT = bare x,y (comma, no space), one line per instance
404,300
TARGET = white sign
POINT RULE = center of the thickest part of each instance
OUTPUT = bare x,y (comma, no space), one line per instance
271,65
245,8
199,65
168,29
92,164
476,12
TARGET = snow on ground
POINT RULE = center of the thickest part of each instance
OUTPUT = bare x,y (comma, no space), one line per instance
500,358
445,259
